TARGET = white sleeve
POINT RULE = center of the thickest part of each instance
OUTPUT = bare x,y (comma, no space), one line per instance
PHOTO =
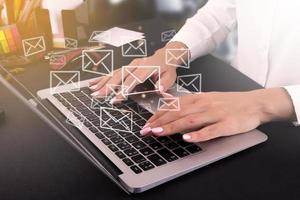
208,28
294,92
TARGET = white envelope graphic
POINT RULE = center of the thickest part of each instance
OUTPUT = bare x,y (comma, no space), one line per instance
98,62
58,60
193,82
128,89
100,36
113,90
33,46
178,58
71,79
168,104
167,35
115,119
136,48
71,43
75,119
95,104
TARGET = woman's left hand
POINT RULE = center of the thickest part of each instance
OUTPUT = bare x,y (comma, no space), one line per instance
205,116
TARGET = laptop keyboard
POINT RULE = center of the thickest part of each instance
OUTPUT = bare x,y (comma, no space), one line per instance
140,153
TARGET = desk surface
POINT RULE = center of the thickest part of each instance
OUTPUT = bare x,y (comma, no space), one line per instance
36,163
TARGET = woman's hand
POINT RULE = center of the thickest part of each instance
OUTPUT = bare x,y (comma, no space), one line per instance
167,73
205,116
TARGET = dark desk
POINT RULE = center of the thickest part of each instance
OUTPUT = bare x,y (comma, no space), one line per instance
36,163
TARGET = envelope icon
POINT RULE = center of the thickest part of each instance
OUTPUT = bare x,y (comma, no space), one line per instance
71,43
33,46
98,61
76,119
178,58
191,82
95,104
168,104
115,119
167,35
60,60
136,48
114,91
131,88
70,79
100,36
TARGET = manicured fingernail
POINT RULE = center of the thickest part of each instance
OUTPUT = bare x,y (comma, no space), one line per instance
95,94
93,87
157,130
186,137
145,131
113,100
146,125
161,88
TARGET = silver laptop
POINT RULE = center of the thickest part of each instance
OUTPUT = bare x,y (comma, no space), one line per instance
143,162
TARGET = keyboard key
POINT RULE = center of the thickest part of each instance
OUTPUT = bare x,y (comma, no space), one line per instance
163,139
136,169
96,123
100,136
123,145
130,152
117,139
156,160
127,161
193,148
120,154
139,145
125,134
146,166
155,145
141,123
180,152
110,134
138,158
171,145
106,141
183,143
87,124
166,154
176,137
93,129
146,151
113,148
149,140
132,139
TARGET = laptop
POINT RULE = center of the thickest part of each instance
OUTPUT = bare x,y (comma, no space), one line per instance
143,162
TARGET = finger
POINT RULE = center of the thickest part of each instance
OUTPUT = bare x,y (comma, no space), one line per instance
190,122
210,132
95,81
167,79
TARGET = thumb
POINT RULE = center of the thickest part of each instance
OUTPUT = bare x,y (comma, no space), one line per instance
167,79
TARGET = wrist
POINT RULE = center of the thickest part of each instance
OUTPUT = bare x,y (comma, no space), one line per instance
273,104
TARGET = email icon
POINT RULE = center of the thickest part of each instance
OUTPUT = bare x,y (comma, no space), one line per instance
114,91
75,119
71,43
136,86
98,62
60,60
114,119
168,104
191,82
136,48
178,58
34,46
95,104
62,80
167,35
100,36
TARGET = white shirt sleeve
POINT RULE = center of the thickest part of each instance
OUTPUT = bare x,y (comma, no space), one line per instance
294,92
203,32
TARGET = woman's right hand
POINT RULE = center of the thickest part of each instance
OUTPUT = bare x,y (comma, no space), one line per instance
167,73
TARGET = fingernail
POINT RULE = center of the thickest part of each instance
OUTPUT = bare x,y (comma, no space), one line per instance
146,125
95,94
186,137
161,88
112,101
145,131
157,130
93,87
